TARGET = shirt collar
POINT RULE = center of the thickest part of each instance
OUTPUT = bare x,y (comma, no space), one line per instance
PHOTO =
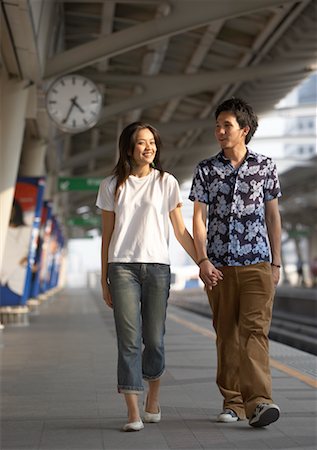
250,155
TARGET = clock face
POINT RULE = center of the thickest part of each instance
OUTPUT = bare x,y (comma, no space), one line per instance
74,103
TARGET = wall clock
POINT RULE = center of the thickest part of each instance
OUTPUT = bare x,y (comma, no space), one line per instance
74,103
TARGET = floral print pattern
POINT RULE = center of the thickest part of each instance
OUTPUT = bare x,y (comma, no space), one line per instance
236,199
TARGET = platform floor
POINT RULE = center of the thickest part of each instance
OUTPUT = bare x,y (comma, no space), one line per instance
59,386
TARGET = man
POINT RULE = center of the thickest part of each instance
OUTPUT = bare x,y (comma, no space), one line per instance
238,190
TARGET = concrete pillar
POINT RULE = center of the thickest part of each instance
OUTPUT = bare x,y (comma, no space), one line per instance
285,276
299,262
33,158
14,97
312,243
312,249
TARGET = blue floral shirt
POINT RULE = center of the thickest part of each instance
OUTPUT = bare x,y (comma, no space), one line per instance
237,234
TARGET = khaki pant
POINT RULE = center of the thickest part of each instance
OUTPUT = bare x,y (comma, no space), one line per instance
242,310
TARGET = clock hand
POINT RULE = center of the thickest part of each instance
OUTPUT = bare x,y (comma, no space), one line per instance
78,106
72,100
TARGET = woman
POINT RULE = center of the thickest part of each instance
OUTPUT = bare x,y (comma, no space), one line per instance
137,202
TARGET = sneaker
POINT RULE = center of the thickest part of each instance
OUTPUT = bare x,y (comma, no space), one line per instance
264,414
227,415
133,426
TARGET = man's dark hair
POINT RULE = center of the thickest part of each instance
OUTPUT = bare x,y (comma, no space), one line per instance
243,112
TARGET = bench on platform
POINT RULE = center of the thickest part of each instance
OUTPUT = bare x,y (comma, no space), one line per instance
14,315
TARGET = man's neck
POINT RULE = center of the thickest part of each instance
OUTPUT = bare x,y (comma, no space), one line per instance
236,155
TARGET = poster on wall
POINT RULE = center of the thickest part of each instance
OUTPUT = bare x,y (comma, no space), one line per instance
22,242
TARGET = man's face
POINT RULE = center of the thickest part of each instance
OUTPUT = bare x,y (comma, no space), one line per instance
228,132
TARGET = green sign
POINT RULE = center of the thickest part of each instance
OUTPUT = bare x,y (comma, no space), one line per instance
66,184
94,221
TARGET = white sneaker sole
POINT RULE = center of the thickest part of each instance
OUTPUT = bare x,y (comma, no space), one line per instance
226,418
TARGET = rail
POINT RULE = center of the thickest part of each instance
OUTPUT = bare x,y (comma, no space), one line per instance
293,321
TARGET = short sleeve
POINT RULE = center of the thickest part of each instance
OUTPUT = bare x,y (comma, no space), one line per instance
175,197
105,197
272,184
198,191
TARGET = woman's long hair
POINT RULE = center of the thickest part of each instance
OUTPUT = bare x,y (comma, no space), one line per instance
127,142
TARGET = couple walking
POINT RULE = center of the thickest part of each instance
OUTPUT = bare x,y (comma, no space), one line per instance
236,244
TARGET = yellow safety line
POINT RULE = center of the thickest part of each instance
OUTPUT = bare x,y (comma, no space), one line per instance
294,373
274,363
192,326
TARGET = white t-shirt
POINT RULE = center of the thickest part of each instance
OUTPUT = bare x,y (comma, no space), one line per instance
141,230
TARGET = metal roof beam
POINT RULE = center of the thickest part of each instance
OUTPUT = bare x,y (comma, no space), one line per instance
106,27
184,16
97,152
181,85
194,63
152,60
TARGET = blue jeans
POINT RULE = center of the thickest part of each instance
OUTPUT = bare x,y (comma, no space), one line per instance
139,296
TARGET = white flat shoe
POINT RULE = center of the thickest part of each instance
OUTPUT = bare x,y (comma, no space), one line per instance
152,417
133,426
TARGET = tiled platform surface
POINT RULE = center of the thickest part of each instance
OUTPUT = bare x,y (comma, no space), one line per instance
58,387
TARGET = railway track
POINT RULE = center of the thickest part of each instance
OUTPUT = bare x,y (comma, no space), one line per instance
290,328
297,331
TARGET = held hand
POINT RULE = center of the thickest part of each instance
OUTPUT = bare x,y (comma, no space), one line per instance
106,295
209,274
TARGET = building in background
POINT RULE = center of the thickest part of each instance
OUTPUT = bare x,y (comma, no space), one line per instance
288,134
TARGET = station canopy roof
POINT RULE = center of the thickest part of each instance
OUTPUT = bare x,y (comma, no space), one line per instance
169,63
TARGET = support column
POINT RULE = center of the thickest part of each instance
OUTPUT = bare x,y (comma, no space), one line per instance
33,158
13,106
312,255
285,276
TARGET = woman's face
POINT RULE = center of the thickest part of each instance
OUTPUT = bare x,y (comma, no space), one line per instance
145,148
